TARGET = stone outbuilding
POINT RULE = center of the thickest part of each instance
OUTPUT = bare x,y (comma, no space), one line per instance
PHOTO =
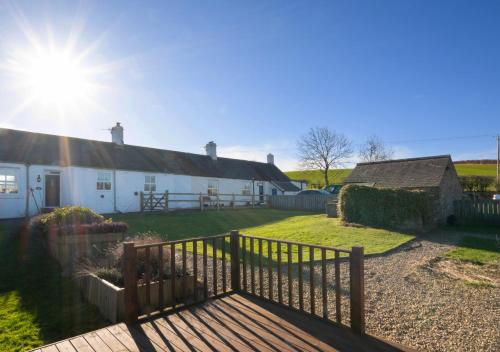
433,174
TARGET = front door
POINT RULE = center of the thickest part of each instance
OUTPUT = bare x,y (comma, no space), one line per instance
52,190
261,193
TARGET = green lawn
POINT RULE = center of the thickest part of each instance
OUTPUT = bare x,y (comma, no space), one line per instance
277,224
476,169
37,305
316,176
476,250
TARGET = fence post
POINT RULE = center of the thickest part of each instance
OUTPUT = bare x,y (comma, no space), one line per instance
357,280
130,282
235,260
201,202
234,201
141,199
166,201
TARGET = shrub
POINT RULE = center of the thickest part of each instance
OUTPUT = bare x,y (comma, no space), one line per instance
66,216
476,183
110,267
386,208
103,227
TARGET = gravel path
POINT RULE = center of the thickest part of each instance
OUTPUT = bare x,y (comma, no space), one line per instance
410,303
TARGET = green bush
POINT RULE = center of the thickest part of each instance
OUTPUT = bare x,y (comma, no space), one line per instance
66,216
386,208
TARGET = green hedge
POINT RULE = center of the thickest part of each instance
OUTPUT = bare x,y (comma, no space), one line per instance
386,208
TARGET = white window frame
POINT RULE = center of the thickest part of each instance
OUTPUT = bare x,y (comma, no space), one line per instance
104,181
150,183
213,188
13,172
246,190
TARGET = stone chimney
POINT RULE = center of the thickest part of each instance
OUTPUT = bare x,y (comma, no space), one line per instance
270,158
117,134
211,149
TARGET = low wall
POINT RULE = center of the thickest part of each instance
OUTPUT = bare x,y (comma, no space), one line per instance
68,249
109,299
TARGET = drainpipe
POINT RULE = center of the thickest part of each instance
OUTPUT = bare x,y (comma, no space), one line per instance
27,206
114,191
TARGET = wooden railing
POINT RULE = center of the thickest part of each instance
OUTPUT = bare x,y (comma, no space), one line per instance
164,201
257,267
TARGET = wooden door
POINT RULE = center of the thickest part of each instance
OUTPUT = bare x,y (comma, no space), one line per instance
52,190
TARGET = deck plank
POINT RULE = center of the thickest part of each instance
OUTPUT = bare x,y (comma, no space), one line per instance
65,346
237,322
96,343
111,341
80,344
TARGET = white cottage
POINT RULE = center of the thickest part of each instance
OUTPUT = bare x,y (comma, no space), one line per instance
46,171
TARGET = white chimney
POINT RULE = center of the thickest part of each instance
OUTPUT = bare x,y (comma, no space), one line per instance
270,158
211,149
117,134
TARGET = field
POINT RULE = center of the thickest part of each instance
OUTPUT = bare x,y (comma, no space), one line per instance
286,225
338,175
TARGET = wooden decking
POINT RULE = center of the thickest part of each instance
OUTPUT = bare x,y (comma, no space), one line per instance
231,323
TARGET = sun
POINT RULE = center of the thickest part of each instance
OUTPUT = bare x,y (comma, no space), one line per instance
56,78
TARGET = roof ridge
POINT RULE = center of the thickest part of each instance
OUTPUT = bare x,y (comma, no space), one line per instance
125,145
407,159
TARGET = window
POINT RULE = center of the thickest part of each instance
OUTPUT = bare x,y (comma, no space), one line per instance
150,184
246,190
104,181
9,181
212,188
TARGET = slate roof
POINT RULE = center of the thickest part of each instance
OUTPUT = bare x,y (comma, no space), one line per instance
44,149
403,173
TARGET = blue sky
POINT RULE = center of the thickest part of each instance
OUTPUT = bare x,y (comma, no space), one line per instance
255,75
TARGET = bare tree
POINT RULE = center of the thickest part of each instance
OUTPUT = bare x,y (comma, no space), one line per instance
375,150
323,149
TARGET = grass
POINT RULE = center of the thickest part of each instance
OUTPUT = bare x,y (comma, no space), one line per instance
476,169
37,306
338,175
476,250
316,176
277,224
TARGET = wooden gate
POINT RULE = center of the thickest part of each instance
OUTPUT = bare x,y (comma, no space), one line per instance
154,201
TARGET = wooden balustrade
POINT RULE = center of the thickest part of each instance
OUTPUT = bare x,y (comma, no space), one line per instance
304,285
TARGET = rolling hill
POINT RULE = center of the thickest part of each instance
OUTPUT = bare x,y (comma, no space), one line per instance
338,175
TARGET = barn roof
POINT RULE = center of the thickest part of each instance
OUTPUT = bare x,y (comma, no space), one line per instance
44,149
402,173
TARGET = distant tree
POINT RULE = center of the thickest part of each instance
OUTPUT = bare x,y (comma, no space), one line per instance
322,149
374,149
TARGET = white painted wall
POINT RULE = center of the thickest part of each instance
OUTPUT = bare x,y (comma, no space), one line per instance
78,187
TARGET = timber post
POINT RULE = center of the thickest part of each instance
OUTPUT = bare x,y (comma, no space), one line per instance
130,282
141,199
166,201
357,281
234,201
201,202
235,260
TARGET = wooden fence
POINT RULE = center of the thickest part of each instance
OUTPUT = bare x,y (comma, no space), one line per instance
316,202
481,210
168,200
254,270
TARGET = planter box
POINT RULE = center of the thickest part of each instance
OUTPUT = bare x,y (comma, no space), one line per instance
69,249
109,299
